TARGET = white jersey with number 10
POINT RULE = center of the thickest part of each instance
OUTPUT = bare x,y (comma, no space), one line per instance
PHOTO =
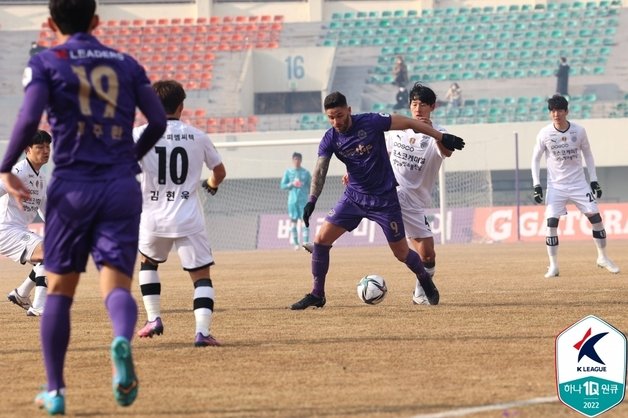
171,179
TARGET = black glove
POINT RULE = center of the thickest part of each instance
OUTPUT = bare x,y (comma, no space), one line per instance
209,189
307,212
538,193
452,142
597,190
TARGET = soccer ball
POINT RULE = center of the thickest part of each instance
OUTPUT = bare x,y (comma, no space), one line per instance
372,289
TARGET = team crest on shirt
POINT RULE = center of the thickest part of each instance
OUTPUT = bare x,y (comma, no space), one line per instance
564,139
412,140
361,134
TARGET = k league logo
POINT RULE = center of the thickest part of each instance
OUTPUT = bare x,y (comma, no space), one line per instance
591,366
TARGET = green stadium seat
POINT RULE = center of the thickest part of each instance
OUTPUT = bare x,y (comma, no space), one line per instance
336,16
379,107
399,13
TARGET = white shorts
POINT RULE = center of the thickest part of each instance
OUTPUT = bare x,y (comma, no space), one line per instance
581,197
414,219
194,250
19,244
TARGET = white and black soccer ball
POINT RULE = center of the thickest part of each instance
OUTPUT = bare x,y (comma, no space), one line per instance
372,289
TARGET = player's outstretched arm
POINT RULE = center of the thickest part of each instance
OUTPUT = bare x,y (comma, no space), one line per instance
449,141
151,107
318,181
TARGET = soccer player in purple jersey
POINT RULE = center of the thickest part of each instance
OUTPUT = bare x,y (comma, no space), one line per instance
358,141
90,93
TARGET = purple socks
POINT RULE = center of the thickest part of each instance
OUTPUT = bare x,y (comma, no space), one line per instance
413,261
55,337
122,311
320,266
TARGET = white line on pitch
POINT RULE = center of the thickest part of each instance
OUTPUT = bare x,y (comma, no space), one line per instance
476,409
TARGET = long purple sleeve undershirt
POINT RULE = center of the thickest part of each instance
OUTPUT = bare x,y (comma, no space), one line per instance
35,99
152,108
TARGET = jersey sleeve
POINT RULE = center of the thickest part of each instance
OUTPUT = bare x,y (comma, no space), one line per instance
326,148
212,157
285,181
588,155
381,121
535,164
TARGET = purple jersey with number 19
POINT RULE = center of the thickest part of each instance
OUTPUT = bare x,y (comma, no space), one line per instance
91,108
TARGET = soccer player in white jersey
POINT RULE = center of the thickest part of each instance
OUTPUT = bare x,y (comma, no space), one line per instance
172,214
416,159
564,143
16,241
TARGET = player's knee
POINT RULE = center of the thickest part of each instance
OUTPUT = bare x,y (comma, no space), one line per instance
401,255
596,218
552,222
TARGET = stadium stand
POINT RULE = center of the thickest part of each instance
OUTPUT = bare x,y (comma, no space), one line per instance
496,50
502,42
184,48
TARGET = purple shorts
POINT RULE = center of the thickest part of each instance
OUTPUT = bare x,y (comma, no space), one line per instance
383,210
98,217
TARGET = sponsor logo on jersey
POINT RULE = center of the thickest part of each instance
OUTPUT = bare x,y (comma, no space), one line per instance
95,53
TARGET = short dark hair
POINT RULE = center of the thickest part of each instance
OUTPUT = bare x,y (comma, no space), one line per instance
40,137
422,93
335,99
171,94
297,155
72,16
557,102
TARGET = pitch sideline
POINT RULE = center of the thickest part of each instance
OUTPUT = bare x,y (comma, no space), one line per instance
484,408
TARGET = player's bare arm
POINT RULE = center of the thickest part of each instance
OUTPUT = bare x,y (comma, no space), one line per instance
318,181
15,187
319,175
399,122
218,175
449,141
